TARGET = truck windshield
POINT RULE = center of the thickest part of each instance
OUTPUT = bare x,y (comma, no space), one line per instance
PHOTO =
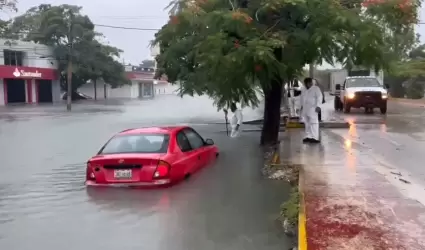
363,82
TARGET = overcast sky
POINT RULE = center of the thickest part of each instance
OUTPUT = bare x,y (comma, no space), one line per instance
130,13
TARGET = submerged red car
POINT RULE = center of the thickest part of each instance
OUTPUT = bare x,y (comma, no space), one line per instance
150,157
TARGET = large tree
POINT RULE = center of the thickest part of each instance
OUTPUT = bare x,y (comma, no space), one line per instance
6,5
407,77
73,38
230,49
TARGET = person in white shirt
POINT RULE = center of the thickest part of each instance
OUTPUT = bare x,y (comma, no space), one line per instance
311,99
294,93
236,121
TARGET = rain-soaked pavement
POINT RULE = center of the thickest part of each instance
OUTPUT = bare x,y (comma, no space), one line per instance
397,139
44,204
364,188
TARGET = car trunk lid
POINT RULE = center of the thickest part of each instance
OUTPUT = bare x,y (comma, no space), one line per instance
124,168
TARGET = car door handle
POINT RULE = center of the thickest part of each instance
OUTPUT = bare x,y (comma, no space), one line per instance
199,157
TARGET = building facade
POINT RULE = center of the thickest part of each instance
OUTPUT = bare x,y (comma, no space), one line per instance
28,73
142,86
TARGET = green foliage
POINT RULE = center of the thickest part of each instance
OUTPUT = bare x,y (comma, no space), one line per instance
63,25
290,209
395,82
405,77
8,5
415,90
216,48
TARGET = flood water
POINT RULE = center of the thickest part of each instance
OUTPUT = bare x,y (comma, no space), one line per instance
45,205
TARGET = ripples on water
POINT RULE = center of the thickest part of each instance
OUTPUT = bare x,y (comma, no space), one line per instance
43,194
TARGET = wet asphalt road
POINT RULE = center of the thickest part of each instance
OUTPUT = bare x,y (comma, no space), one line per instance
44,204
397,139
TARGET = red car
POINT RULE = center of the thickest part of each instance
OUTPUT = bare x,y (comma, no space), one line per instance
150,157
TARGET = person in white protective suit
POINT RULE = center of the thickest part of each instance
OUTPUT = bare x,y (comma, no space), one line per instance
311,99
294,95
236,121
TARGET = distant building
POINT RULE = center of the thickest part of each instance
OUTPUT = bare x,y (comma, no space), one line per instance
28,73
142,85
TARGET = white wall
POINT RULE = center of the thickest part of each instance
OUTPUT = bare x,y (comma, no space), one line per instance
121,92
1,93
88,89
165,89
135,92
126,91
26,92
56,91
34,91
33,53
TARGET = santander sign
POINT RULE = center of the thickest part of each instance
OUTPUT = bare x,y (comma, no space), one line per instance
22,73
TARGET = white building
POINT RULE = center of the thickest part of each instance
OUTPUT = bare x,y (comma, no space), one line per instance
28,73
143,86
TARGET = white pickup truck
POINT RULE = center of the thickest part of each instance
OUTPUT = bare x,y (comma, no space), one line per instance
361,92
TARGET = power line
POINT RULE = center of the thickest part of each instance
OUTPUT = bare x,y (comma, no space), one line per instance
99,25
125,28
131,17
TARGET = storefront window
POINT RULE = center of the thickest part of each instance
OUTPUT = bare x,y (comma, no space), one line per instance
13,58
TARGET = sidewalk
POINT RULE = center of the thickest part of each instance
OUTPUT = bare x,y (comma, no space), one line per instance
412,102
348,200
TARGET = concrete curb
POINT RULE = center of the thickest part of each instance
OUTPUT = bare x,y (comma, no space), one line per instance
322,125
260,121
301,125
302,232
254,122
282,129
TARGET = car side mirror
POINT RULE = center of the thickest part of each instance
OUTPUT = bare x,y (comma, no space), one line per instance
338,86
386,85
209,142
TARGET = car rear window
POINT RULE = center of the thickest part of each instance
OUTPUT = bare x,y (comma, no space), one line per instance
140,143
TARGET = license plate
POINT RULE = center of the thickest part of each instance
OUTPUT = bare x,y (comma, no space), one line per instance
122,174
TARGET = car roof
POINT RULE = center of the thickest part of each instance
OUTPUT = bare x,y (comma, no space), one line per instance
153,130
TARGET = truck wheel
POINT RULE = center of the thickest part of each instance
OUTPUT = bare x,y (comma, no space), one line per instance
384,109
347,108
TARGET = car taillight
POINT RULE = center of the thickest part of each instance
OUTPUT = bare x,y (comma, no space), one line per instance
89,172
162,170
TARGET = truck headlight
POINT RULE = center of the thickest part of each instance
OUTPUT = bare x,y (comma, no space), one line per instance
350,95
384,95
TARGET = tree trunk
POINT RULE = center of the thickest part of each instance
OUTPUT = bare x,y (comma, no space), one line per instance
271,123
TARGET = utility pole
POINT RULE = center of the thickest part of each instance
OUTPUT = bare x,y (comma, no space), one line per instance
70,53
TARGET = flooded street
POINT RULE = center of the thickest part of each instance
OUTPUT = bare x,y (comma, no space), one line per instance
45,205
396,140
